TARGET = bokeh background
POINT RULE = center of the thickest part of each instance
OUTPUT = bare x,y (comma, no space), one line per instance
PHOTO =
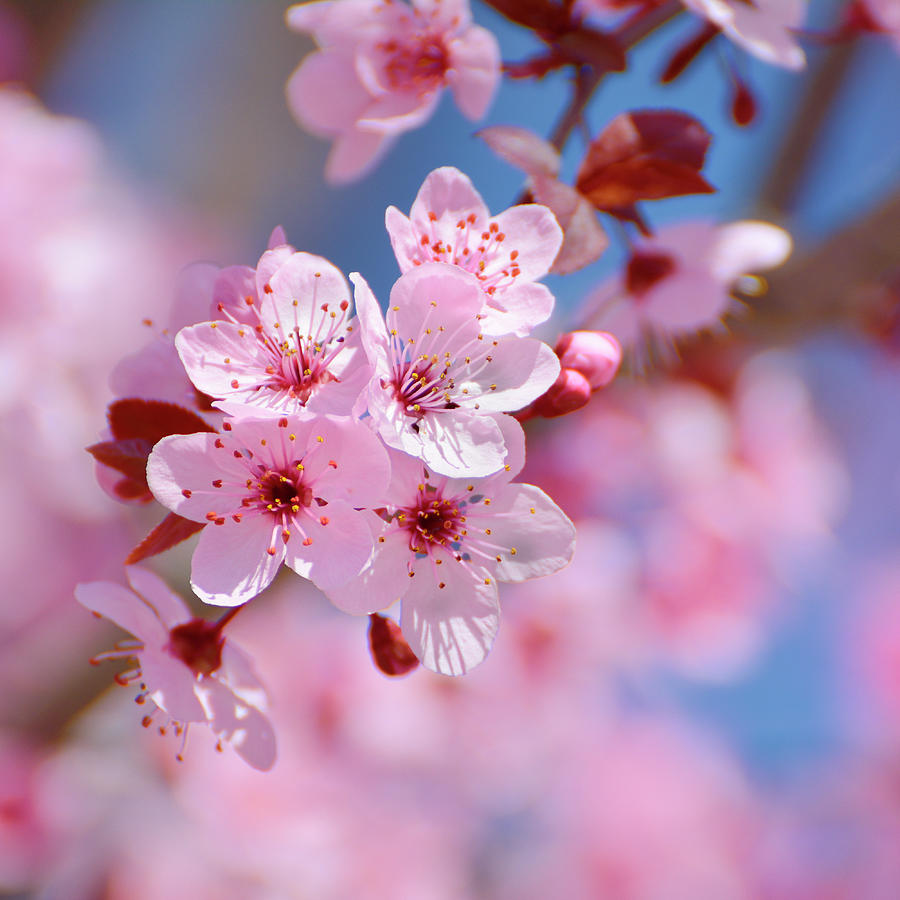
704,705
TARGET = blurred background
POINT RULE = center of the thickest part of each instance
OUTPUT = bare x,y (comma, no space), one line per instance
703,705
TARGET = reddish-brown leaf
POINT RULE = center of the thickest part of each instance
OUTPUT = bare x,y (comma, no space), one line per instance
391,653
127,456
645,155
171,531
152,420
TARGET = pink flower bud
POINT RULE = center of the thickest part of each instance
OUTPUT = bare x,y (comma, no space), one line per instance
593,354
569,392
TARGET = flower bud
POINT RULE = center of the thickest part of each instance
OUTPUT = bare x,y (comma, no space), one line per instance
569,392
593,354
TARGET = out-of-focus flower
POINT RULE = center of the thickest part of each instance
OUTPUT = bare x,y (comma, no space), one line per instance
507,253
380,69
272,492
761,27
301,352
438,379
680,281
185,665
447,543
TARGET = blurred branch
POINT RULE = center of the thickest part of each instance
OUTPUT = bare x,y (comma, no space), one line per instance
787,177
832,283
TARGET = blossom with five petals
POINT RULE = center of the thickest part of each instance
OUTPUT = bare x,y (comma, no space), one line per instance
437,375
450,223
380,70
185,665
445,544
273,491
290,342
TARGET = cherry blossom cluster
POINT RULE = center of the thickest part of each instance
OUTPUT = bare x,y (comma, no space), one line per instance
372,453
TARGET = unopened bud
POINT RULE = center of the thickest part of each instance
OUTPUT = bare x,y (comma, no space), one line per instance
593,354
569,392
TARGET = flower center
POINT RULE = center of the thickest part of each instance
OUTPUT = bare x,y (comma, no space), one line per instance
278,492
433,522
420,64
198,644
645,270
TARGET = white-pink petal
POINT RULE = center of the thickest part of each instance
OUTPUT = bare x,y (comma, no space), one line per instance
119,605
474,71
232,562
450,629
168,606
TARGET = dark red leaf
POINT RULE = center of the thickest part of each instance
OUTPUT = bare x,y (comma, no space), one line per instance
648,155
128,457
743,104
391,653
171,531
152,420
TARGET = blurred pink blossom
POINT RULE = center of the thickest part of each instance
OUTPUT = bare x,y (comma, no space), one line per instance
680,281
449,223
380,69
185,665
764,28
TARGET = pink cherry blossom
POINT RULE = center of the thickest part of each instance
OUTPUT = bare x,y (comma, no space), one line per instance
292,345
437,376
449,223
380,69
185,665
447,543
273,491
679,281
764,27
594,354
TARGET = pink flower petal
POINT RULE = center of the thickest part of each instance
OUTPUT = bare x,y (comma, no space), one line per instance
533,230
450,629
325,95
523,517
340,544
232,563
383,581
527,304
397,112
171,685
354,154
744,247
461,444
232,287
474,71
119,605
520,370
309,280
447,192
169,607
181,470
194,291
239,723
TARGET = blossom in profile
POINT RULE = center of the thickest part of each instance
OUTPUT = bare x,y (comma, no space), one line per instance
288,344
507,253
680,281
437,376
272,491
443,546
764,28
184,665
380,69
